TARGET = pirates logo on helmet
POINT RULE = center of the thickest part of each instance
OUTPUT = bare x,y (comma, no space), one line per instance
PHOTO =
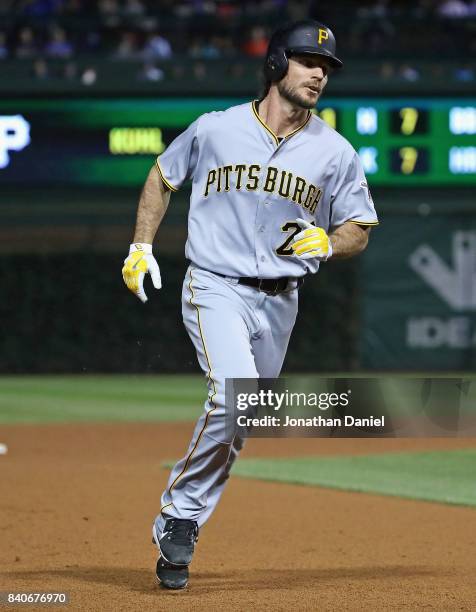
302,37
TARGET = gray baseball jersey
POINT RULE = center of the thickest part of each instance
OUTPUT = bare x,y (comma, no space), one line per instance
248,188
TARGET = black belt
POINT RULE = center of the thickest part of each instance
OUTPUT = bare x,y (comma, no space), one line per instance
271,286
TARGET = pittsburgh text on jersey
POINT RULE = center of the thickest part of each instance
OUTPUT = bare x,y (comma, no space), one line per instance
271,180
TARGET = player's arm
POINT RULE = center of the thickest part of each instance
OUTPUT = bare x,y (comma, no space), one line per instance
349,239
153,203
351,204
177,164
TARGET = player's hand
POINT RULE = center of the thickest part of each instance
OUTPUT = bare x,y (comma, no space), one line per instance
136,265
311,242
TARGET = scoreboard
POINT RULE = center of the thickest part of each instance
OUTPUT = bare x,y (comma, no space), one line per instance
411,141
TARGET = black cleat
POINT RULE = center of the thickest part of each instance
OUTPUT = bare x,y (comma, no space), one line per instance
177,541
171,576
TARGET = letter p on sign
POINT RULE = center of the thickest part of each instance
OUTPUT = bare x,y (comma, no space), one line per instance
323,35
14,136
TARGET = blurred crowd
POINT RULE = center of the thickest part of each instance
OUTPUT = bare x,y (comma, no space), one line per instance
155,31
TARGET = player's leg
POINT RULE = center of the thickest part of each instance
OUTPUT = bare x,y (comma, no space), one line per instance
216,491
277,315
220,325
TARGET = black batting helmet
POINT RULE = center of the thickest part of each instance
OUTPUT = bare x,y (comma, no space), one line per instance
301,37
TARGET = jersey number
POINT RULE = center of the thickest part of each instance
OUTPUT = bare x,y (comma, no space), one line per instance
291,226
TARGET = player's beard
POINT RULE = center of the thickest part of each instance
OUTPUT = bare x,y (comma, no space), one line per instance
292,95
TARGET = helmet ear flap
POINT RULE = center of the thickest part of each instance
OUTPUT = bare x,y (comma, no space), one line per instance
276,65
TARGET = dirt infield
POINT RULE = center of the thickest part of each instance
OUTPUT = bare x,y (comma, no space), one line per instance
77,504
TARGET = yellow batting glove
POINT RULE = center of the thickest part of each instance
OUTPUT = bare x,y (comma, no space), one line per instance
140,262
311,242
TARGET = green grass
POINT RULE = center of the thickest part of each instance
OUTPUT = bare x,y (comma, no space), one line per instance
448,477
53,398
46,399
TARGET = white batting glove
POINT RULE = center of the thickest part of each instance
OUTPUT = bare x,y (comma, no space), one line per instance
312,242
136,265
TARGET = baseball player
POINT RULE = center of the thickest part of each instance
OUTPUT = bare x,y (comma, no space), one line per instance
275,192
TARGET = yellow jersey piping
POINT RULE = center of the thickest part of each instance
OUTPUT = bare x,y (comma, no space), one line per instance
276,139
301,126
164,180
365,222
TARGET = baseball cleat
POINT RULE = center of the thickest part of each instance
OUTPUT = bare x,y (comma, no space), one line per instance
177,541
171,576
